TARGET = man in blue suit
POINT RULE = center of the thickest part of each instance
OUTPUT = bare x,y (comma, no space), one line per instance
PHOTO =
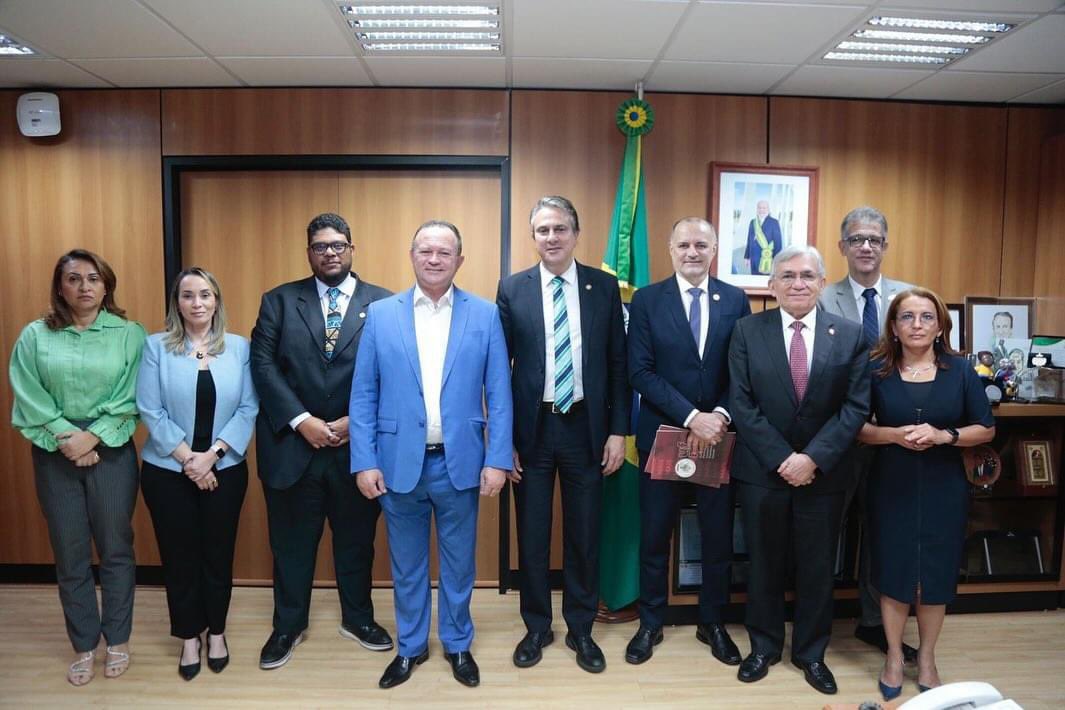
679,332
764,240
430,359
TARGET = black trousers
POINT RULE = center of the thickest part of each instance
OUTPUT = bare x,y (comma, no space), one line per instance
782,525
197,532
296,518
562,446
659,506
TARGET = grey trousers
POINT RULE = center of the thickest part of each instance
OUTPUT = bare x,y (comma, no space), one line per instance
83,506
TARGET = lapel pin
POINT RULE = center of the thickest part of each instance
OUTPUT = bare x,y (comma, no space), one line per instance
831,330
362,314
717,296
587,287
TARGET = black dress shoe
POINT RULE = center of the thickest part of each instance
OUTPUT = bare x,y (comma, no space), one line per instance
756,666
400,668
217,665
874,636
278,649
818,676
371,636
642,645
528,654
464,668
190,671
716,637
589,655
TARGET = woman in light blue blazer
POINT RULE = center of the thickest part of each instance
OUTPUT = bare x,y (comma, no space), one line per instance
196,396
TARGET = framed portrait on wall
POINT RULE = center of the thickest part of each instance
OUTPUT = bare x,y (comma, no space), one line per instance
757,211
1035,465
957,330
990,322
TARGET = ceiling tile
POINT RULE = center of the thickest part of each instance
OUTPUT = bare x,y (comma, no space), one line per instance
716,77
278,28
45,74
96,29
193,71
1053,94
439,71
1038,47
538,73
766,34
606,29
856,82
989,6
298,71
976,86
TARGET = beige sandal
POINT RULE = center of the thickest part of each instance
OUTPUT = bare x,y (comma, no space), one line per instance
81,670
117,662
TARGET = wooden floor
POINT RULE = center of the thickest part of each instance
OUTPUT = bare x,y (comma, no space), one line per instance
1021,654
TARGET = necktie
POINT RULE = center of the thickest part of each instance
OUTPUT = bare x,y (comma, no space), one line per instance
797,356
870,318
563,354
332,322
695,315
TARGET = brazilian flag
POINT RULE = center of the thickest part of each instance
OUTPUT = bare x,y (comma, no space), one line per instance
626,258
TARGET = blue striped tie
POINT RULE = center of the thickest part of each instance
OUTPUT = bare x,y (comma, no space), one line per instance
563,354
870,318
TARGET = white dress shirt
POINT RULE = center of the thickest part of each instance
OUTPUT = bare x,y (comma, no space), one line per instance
704,327
570,291
347,290
432,325
810,321
859,299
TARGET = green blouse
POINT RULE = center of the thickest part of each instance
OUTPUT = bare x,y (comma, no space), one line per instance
59,375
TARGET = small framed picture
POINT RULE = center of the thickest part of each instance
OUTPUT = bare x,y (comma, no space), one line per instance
990,322
1035,465
957,330
757,211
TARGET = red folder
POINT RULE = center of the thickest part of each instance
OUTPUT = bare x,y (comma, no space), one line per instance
671,458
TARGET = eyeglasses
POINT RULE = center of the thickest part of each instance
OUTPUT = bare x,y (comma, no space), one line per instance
855,241
321,248
908,318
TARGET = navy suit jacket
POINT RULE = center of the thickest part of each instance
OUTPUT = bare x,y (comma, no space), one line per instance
607,398
665,367
771,230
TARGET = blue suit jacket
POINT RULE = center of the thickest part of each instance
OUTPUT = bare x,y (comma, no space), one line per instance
387,410
665,367
166,398
771,230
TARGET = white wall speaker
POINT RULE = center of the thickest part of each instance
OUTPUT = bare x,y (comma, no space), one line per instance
38,114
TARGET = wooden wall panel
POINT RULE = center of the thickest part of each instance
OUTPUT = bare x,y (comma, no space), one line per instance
1027,159
96,186
1047,255
566,142
334,122
936,171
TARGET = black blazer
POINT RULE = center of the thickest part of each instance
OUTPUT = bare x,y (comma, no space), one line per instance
292,374
607,398
665,366
771,424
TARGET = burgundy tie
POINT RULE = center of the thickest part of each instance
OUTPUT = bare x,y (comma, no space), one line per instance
799,373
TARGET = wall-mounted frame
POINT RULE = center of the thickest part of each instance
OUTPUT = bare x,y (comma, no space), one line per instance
957,331
1035,465
989,321
757,211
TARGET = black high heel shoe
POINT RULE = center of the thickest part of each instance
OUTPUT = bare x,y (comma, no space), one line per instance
193,669
217,665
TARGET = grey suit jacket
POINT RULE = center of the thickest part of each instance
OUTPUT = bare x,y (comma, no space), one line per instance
838,298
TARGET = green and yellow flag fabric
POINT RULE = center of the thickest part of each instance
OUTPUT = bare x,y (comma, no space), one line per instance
626,258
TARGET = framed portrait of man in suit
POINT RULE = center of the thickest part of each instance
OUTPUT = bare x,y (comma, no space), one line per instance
990,322
758,210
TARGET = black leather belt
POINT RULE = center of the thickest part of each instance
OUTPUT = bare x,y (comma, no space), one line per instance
434,448
573,408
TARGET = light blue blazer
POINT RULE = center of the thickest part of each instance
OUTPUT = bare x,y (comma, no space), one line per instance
387,413
166,398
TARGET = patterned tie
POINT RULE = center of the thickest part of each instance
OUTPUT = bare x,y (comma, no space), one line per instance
870,318
332,323
799,373
563,354
695,315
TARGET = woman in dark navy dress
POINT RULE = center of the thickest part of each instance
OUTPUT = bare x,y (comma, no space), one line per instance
928,404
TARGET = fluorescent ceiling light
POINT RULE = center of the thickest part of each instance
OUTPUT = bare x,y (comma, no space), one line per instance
955,25
420,10
921,37
428,36
397,23
11,46
910,48
431,47
895,58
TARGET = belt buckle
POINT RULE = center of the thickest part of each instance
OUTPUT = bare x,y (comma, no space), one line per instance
556,410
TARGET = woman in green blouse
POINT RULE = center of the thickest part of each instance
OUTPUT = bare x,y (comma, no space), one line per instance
74,375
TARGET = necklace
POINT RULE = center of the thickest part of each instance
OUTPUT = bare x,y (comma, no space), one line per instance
915,372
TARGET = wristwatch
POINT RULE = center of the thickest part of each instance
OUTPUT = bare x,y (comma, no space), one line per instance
953,435
220,452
